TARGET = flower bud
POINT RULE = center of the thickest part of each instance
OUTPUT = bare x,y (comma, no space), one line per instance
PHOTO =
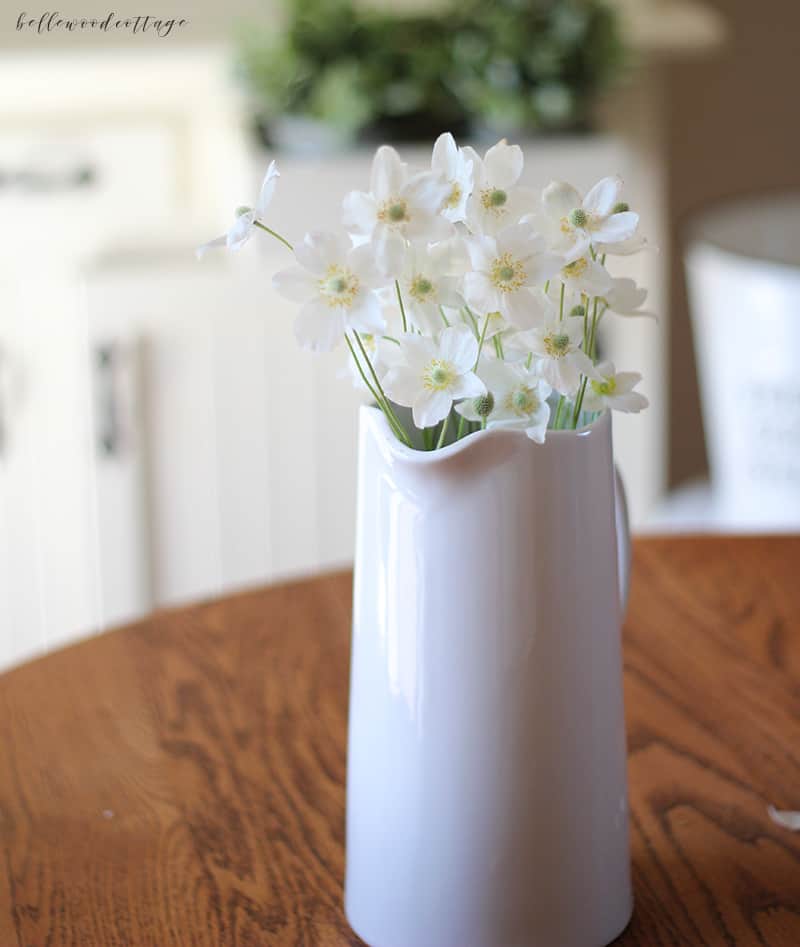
483,405
621,208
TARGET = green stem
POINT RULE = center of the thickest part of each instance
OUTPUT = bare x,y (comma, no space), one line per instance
498,347
473,320
558,412
272,233
561,302
444,317
579,402
443,432
402,307
460,429
480,342
383,401
585,301
592,343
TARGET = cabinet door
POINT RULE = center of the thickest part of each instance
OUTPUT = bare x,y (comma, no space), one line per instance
63,196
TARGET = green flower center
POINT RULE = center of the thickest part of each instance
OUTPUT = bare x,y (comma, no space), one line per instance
578,217
508,274
339,286
439,375
421,287
494,199
522,401
622,208
605,387
557,344
394,211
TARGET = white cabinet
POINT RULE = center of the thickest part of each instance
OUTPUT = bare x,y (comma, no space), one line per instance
96,150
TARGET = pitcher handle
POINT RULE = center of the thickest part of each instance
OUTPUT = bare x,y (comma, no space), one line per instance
623,540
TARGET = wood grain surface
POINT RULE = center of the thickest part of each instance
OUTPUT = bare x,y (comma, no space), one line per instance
181,782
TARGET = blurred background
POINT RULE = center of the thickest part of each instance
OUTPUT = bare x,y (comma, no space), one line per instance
163,440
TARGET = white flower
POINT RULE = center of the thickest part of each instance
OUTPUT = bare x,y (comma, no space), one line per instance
520,398
427,282
456,169
505,271
585,276
335,282
397,208
625,298
557,354
575,223
614,390
497,199
246,217
434,374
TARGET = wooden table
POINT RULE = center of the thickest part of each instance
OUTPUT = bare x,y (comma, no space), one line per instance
181,782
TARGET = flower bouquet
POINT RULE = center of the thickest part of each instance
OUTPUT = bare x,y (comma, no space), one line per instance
465,296
486,788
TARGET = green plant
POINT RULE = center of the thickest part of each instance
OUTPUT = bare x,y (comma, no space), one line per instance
514,64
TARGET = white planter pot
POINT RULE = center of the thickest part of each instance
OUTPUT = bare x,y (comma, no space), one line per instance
487,802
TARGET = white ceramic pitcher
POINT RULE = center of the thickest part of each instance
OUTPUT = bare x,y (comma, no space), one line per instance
486,788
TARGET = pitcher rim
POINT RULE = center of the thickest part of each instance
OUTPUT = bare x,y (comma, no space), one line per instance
375,416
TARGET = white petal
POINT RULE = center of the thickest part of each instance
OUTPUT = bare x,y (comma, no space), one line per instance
319,327
418,350
626,381
482,250
603,196
427,191
523,309
631,403
319,249
635,244
388,173
538,429
359,212
445,155
480,294
222,241
402,385
520,240
431,407
503,164
296,284
459,346
241,231
366,314
389,249
267,189
560,198
468,386
361,260
543,267
616,228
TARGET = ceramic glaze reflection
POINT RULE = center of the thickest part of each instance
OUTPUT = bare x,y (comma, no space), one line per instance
486,772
